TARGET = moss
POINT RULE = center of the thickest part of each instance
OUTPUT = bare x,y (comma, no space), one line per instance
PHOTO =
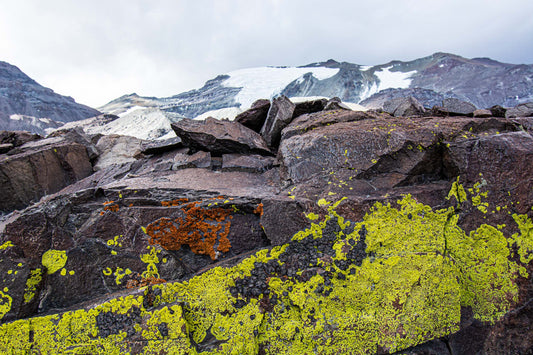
54,260
395,279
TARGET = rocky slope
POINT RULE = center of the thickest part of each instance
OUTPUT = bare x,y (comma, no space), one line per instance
26,105
306,228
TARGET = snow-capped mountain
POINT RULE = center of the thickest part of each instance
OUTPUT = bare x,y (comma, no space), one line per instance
26,105
481,81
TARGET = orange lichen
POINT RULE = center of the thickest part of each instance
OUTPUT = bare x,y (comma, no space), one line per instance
259,209
110,206
176,202
133,283
205,231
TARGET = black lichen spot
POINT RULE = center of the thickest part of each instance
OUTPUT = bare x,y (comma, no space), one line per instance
163,329
109,323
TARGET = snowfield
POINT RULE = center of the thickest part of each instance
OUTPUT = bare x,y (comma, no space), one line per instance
266,82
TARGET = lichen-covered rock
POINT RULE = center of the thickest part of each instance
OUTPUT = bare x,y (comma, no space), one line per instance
399,277
403,106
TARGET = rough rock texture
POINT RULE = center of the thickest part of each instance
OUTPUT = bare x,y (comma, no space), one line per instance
301,108
456,107
115,149
482,113
38,168
335,104
255,117
369,234
498,111
219,137
160,147
522,110
17,138
279,116
405,106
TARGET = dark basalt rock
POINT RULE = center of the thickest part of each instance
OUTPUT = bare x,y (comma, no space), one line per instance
498,111
160,147
245,162
17,138
306,107
404,106
281,219
456,107
335,104
255,117
219,137
279,116
38,168
522,110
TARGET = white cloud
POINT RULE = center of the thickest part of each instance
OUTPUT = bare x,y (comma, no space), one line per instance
98,50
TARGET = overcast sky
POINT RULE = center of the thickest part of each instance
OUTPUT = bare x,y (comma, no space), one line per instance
98,50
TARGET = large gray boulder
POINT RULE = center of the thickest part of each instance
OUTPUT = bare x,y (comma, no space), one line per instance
456,107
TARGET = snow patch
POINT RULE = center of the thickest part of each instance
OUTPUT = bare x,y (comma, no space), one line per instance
16,117
393,80
364,67
228,112
130,110
266,82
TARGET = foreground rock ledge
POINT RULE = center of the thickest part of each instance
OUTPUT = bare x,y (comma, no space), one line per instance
400,277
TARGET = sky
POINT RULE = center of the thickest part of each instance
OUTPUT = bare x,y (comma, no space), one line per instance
98,50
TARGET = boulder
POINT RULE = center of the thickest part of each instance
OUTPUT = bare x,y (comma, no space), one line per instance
255,117
456,107
522,110
17,138
482,113
116,150
305,107
246,162
219,137
38,168
279,116
335,104
404,106
497,111
197,160
161,146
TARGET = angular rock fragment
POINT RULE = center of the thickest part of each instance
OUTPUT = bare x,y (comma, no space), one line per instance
255,117
219,137
404,106
279,116
306,107
161,146
456,107
246,162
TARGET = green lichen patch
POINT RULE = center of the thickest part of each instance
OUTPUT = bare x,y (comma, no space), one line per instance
32,282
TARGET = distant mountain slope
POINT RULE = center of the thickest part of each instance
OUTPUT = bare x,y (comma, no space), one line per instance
481,81
24,104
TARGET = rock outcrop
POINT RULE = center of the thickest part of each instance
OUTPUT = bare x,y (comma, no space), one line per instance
366,234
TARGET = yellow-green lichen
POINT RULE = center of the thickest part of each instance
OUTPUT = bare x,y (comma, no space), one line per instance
417,270
6,245
33,280
5,302
54,260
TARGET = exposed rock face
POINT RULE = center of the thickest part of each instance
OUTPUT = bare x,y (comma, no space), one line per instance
255,117
367,234
279,116
483,113
305,107
219,137
38,168
401,107
115,149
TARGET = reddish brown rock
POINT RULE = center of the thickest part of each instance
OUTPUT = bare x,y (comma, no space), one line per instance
279,116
